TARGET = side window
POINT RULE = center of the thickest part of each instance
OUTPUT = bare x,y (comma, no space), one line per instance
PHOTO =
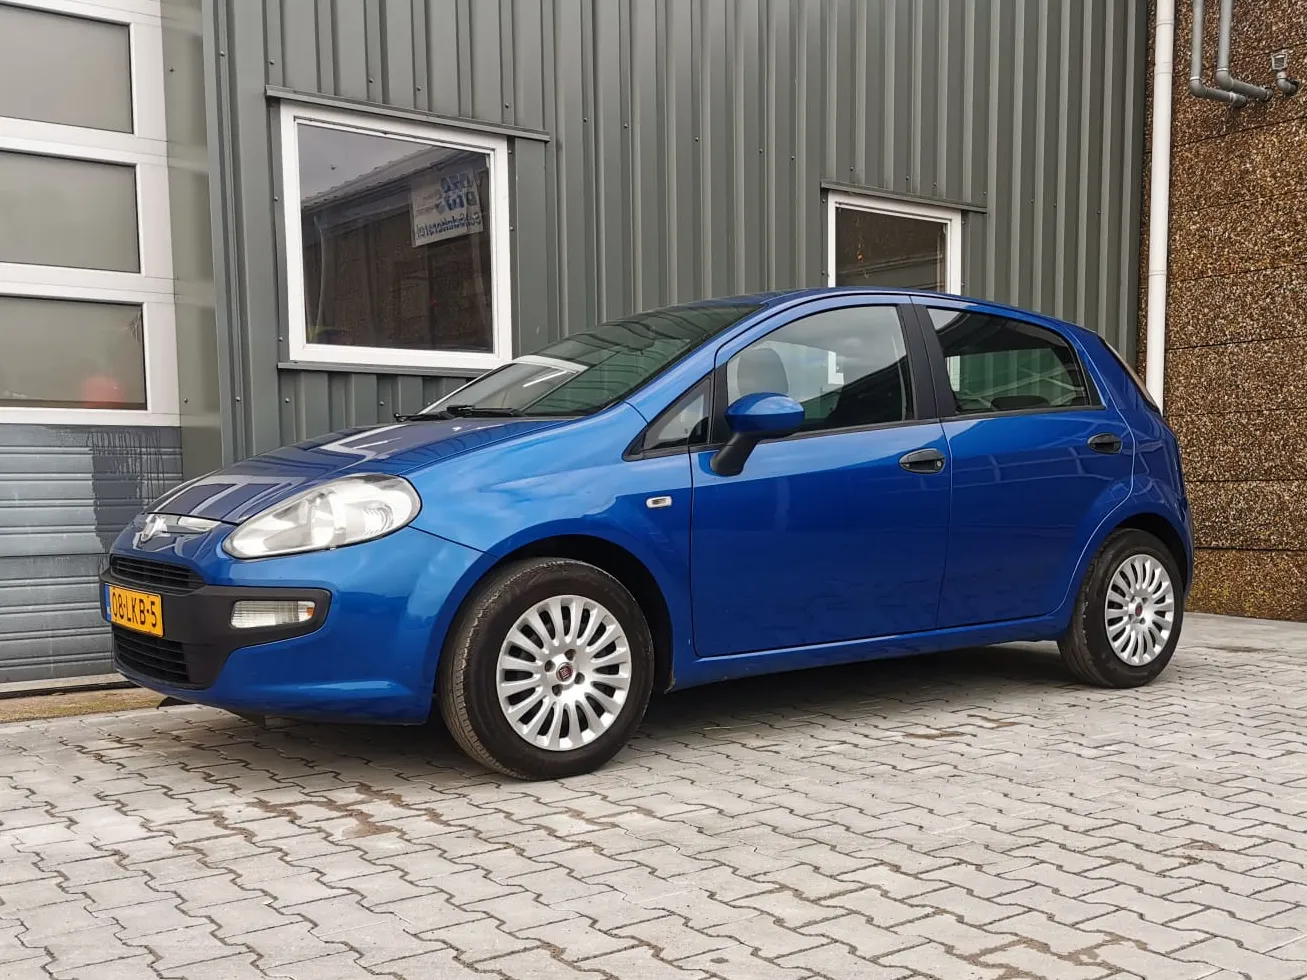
846,367
1001,365
683,425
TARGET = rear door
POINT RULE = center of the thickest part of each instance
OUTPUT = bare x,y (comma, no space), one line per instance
1039,456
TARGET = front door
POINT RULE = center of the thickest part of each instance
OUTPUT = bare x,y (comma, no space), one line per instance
1038,458
827,535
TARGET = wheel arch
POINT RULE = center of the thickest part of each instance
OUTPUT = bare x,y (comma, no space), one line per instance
1161,528
618,562
1149,516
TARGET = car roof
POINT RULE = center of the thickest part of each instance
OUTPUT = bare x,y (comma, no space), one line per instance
784,297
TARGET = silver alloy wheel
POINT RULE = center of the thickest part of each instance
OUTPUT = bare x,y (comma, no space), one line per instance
563,673
1140,612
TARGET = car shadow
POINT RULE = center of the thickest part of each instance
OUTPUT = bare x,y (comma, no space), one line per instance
897,682
890,691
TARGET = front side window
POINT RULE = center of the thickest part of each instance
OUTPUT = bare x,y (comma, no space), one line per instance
394,243
846,367
590,370
1000,365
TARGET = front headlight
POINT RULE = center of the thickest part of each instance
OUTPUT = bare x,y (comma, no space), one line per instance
344,511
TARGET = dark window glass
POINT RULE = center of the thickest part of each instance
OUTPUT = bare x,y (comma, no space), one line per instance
586,371
396,242
888,250
683,425
846,367
1000,365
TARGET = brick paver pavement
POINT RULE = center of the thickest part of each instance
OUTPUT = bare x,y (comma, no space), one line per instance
974,815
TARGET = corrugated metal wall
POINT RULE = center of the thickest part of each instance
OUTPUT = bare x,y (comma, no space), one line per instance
65,493
689,141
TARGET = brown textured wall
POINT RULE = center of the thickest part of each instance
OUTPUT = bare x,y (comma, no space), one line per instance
1236,364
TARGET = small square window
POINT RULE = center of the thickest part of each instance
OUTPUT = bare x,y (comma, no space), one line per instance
889,244
394,239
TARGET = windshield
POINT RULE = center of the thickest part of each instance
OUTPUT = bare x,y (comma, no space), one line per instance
588,371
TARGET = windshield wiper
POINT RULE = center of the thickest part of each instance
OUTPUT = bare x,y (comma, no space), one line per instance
488,411
461,412
424,417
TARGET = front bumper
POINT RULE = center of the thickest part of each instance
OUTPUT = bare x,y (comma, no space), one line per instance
199,636
368,653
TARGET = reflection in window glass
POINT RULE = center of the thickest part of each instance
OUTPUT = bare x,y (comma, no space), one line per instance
846,367
684,424
1001,365
888,251
396,242
587,371
66,354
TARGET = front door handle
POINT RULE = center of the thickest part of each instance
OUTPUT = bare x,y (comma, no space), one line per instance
1106,443
923,461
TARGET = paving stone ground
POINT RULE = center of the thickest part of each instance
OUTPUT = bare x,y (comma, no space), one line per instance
973,815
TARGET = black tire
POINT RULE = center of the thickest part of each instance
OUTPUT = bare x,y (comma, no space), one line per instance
1086,649
466,681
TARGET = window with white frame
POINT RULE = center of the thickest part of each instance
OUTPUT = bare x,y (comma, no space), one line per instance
879,242
396,242
86,290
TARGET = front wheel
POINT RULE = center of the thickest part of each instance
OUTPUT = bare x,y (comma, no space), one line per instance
1128,615
547,671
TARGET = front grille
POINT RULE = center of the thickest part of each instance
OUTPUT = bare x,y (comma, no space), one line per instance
151,656
158,575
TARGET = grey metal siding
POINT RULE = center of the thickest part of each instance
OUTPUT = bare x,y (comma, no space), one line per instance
65,493
689,140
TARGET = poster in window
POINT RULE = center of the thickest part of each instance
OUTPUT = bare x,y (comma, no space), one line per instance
445,208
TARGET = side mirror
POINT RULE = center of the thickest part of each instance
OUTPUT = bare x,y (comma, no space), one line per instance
752,419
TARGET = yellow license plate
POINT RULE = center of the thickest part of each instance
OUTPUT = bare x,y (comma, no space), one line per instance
140,611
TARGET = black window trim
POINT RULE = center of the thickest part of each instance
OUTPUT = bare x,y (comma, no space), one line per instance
943,392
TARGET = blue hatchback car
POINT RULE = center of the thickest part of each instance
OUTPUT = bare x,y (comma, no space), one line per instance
730,487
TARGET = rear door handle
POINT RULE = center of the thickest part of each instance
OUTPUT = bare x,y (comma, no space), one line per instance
923,461
1106,443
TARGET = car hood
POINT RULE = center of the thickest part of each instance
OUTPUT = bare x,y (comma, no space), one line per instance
241,491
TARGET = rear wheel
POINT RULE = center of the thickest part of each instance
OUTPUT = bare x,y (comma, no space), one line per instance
1128,615
547,671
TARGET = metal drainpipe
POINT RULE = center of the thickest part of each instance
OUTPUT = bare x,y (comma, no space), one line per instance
1196,85
1223,77
1159,198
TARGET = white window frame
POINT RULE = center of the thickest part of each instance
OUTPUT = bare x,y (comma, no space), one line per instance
388,358
950,218
146,149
